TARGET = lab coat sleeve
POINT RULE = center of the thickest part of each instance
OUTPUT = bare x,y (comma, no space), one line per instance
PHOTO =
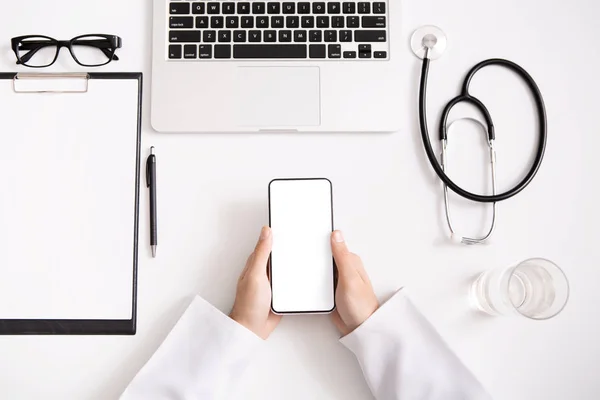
204,353
404,358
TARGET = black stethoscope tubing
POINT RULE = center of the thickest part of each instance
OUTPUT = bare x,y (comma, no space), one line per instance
466,97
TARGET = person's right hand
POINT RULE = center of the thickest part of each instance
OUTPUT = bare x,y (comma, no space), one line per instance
252,307
354,297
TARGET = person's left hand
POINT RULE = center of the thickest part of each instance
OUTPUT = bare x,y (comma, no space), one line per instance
252,307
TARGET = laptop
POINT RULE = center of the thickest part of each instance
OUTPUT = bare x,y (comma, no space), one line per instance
276,66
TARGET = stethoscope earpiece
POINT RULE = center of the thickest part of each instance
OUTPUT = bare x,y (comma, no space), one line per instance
456,239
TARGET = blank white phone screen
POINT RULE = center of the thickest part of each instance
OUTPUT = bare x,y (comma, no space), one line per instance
301,261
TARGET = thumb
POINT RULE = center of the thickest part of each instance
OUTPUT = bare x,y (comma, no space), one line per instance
262,251
340,252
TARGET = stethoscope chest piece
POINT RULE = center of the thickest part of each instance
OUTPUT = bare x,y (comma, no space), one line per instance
428,38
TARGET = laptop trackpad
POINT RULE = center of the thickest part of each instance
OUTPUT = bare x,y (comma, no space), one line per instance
278,96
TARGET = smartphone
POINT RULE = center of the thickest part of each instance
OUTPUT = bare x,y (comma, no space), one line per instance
301,266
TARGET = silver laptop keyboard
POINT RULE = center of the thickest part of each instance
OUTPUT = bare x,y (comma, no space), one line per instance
237,30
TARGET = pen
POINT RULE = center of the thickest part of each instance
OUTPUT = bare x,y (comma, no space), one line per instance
151,182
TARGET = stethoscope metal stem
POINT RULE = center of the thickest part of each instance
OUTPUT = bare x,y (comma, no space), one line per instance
444,164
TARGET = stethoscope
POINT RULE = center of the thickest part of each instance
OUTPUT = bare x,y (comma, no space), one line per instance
428,43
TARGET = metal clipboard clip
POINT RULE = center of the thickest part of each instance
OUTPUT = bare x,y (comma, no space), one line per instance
51,83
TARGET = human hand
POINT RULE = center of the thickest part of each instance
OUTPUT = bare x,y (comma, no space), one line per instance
354,297
252,307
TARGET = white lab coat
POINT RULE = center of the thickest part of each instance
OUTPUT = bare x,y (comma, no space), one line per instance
400,353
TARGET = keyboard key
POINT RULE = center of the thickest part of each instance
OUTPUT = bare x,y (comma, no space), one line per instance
352,22
289,8
209,36
333,8
190,51
247,22
349,8
373,22
198,8
258,8
269,51
285,36
337,22
222,51
181,22
299,36
345,36
175,51
303,8
322,22
334,50
308,22
205,51
179,8
243,8
270,36
229,8
273,8
232,22
292,22
216,22
224,36
364,8
184,36
201,22
262,22
364,51
370,36
331,36
379,8
349,54
315,36
380,54
214,8
239,36
276,22
318,8
254,36
317,51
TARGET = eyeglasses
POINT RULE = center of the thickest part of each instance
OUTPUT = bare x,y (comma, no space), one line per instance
37,51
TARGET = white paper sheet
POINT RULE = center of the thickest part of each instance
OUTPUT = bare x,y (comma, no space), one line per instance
67,202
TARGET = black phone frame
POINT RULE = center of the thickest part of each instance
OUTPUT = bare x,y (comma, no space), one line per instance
335,272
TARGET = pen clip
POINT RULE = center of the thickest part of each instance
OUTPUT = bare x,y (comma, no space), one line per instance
148,163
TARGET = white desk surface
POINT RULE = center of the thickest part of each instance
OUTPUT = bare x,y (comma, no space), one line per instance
212,202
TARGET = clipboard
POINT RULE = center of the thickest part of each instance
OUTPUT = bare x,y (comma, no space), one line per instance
69,203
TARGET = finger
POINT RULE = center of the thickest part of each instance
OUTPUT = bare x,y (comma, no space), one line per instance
360,268
341,254
247,266
347,262
261,252
339,324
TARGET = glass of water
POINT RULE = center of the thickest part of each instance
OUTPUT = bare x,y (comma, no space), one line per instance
535,288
